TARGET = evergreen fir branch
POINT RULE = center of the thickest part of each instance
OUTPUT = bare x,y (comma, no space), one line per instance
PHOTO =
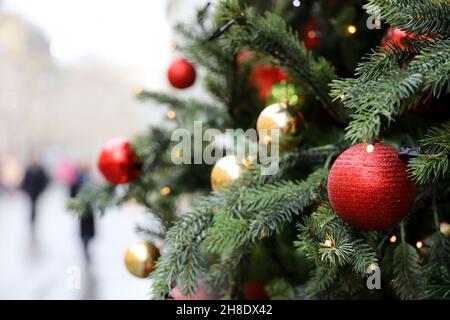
280,202
222,274
228,233
434,163
415,16
263,211
407,271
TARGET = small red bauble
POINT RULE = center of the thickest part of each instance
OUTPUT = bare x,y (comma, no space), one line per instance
264,77
118,162
369,187
395,35
255,291
181,74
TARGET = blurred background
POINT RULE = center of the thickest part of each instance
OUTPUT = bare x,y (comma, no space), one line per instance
68,71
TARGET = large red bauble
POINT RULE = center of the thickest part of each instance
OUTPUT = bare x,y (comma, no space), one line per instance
117,161
264,77
370,190
181,74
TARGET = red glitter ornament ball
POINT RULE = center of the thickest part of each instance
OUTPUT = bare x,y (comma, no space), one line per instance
369,187
181,74
117,161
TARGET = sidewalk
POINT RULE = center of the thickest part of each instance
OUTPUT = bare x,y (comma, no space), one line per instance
48,268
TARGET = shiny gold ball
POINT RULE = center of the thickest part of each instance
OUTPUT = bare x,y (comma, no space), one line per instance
225,171
279,116
140,258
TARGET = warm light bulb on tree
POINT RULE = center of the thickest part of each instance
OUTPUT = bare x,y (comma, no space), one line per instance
393,239
225,172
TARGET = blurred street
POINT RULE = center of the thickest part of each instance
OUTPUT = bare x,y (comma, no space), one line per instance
44,268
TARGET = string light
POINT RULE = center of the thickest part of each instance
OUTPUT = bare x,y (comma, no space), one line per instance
393,239
173,46
296,3
419,245
165,191
171,114
370,147
351,29
138,90
328,243
179,154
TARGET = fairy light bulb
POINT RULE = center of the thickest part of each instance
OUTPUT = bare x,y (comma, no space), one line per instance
393,239
296,3
370,147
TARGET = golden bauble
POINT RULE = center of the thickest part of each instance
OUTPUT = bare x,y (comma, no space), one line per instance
225,171
140,258
279,116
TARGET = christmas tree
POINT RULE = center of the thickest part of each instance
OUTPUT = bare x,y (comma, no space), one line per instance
354,98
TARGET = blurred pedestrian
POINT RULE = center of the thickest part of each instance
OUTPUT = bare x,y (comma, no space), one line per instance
87,221
34,183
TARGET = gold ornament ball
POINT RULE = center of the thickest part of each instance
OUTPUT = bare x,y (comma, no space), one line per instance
225,171
140,258
278,116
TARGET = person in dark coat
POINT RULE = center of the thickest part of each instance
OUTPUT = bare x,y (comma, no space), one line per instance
34,183
87,221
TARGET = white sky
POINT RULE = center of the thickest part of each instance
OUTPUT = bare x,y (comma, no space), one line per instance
128,32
